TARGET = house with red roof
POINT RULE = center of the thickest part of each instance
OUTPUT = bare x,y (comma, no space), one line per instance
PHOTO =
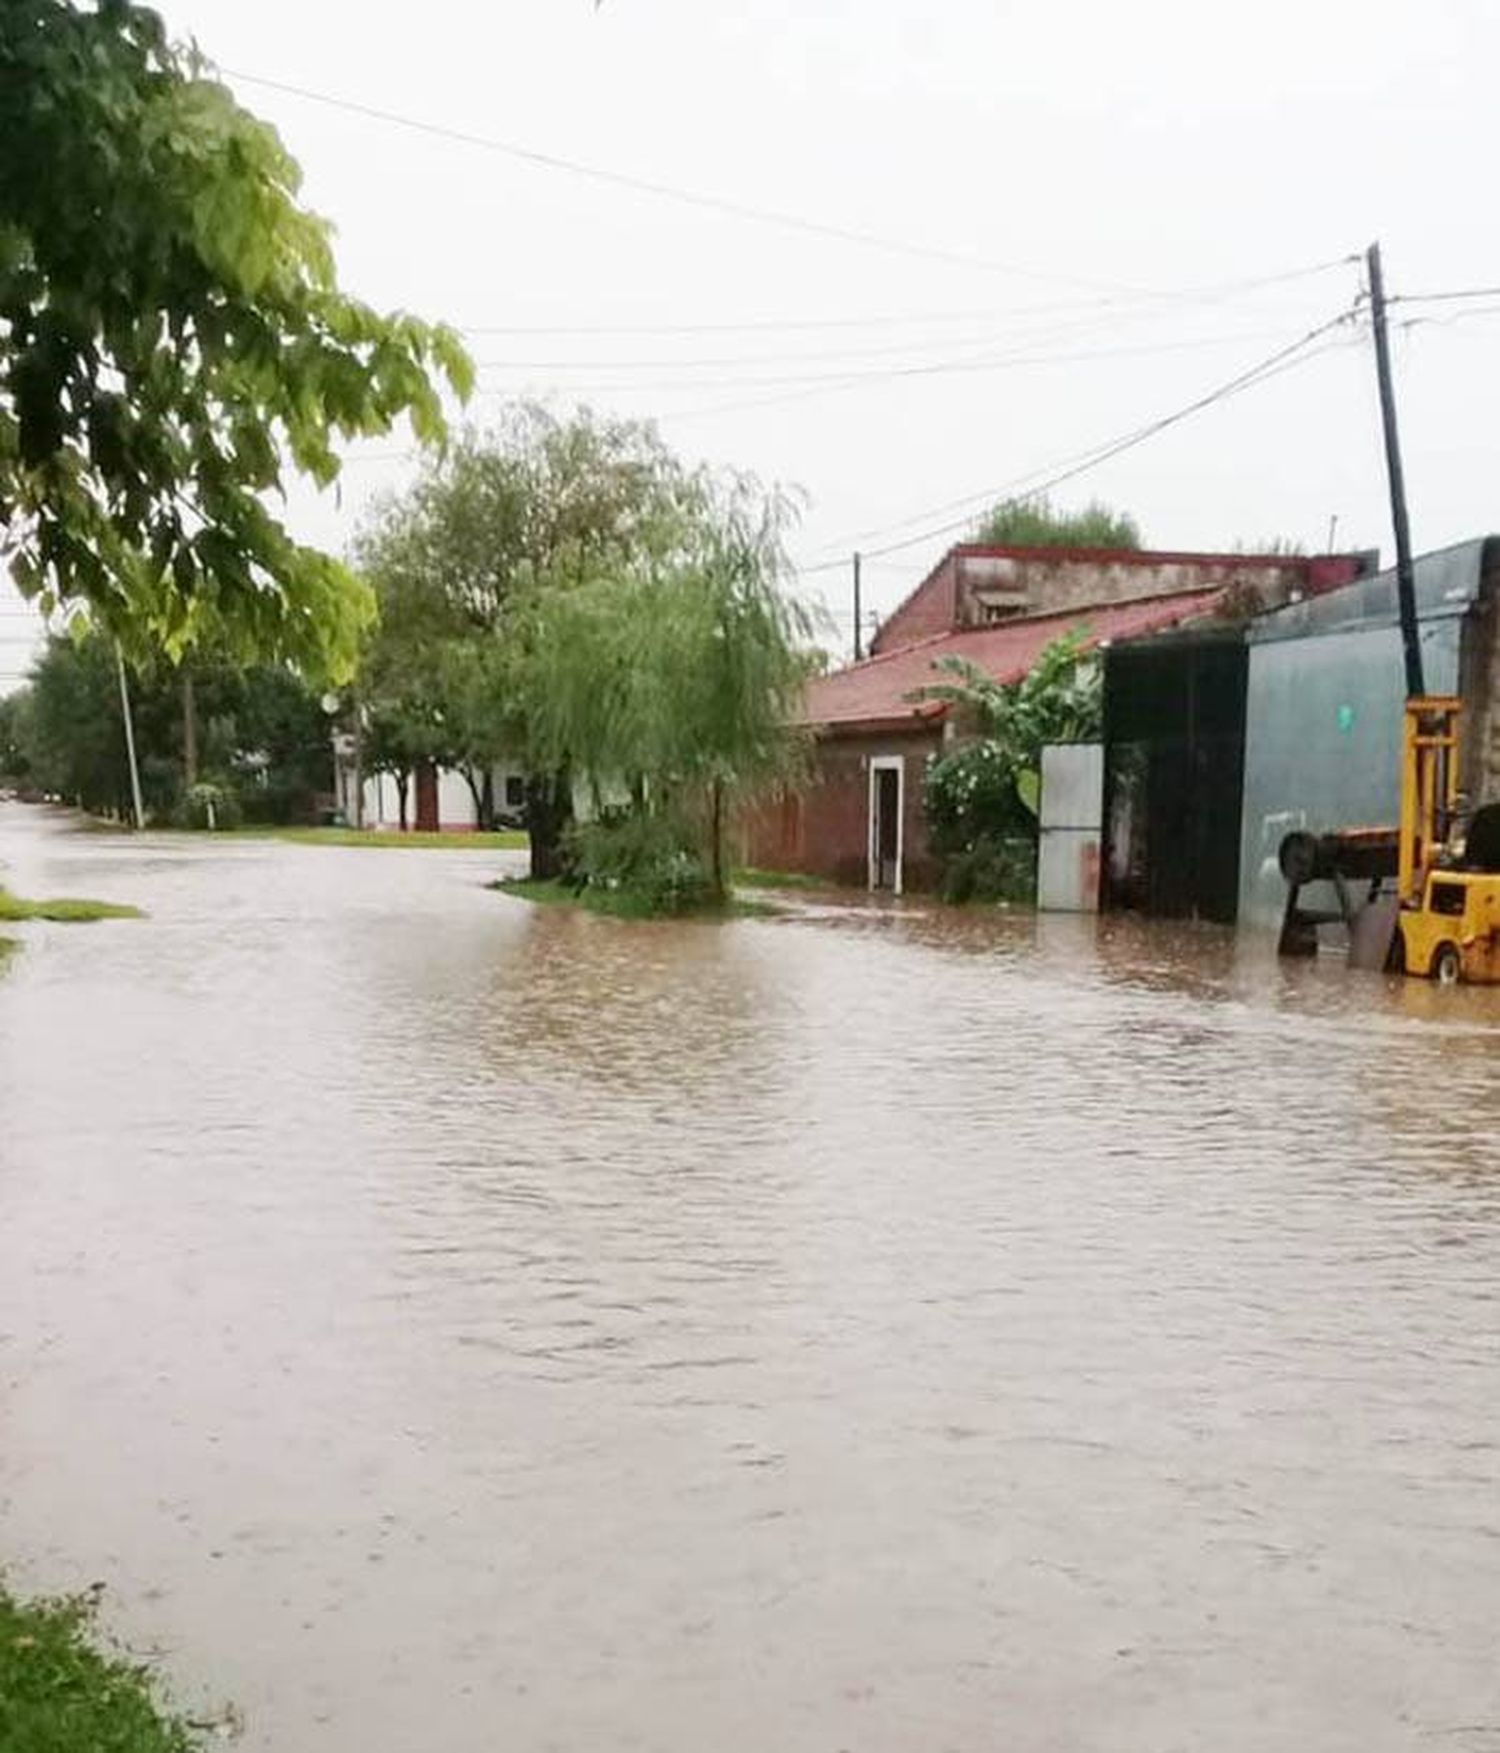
858,819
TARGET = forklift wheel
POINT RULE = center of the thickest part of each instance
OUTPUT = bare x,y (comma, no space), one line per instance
1446,966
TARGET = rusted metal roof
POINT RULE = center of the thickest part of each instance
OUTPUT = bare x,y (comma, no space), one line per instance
876,692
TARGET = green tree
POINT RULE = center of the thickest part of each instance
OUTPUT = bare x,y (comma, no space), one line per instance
15,737
537,504
74,737
263,741
1037,523
674,685
172,336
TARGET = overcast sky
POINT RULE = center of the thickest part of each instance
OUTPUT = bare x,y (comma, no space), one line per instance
1082,191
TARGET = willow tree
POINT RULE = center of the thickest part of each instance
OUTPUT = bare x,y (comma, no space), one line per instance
537,506
173,339
675,684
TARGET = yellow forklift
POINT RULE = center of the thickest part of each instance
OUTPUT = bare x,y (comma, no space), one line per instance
1448,869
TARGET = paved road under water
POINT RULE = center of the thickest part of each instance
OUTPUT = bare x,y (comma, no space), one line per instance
451,1326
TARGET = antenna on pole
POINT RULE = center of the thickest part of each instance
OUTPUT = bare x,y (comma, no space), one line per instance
1406,583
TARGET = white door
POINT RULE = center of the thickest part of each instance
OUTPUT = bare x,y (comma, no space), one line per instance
887,806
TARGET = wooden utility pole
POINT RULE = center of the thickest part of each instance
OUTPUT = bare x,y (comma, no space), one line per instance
858,631
1406,584
135,772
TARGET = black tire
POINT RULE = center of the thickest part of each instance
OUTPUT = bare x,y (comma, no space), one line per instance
1447,965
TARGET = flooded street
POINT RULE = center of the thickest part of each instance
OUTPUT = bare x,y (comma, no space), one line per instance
450,1326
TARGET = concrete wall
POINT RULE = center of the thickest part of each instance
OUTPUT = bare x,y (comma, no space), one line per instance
995,586
974,586
823,829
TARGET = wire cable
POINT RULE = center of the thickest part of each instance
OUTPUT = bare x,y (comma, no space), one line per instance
1295,353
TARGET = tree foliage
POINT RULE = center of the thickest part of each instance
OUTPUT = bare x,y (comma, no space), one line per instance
1037,523
536,506
171,333
567,595
673,681
982,798
263,741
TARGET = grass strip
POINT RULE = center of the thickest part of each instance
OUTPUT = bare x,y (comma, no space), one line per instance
60,1693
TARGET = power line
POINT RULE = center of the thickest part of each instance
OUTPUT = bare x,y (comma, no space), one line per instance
1007,361
668,191
699,199
1444,297
1071,468
912,319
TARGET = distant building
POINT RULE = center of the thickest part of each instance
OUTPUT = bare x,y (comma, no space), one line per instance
859,819
437,798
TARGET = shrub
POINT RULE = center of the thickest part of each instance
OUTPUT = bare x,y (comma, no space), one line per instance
645,858
992,869
972,795
208,804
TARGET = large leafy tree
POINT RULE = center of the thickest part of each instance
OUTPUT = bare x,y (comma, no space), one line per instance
172,338
536,505
675,682
260,734
1037,523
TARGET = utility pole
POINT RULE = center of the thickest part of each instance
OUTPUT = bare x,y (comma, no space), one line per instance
1406,586
359,760
858,633
135,772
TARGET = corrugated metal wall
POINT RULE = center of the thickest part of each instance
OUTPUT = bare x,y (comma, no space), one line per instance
1323,741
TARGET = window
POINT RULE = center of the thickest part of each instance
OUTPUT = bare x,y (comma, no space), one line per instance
1448,899
515,791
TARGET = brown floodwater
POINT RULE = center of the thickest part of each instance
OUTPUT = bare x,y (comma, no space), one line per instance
451,1327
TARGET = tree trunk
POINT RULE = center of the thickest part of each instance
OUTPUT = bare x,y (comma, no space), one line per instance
718,840
189,731
548,809
476,796
402,778
487,801
426,776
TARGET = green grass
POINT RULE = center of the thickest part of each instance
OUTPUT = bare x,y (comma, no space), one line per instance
63,911
59,1693
389,839
778,879
620,903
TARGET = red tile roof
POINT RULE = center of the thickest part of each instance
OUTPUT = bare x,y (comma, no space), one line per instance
875,691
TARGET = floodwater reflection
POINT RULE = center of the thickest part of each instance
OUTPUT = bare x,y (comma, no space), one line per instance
450,1325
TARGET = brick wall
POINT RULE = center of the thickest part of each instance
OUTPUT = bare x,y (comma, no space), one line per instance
928,610
823,829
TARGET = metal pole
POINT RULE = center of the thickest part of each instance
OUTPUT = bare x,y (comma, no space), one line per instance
135,772
858,636
1406,587
359,762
